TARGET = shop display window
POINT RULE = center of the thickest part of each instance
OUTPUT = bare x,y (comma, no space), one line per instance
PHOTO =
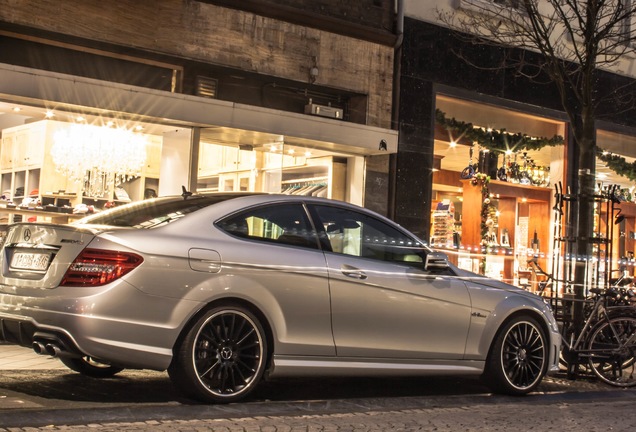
500,173
272,167
499,184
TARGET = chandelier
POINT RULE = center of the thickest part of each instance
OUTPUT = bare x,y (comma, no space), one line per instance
98,157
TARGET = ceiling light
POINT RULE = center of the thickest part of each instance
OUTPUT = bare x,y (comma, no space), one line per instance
98,156
17,109
49,114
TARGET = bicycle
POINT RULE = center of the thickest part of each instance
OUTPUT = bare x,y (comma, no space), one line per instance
606,343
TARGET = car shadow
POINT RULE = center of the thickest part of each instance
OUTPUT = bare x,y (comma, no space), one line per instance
148,387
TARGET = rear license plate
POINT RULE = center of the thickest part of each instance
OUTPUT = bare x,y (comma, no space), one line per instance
30,261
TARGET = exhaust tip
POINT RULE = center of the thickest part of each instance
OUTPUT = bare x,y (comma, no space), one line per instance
53,350
39,348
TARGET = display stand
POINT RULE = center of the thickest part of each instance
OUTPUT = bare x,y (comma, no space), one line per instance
443,225
507,259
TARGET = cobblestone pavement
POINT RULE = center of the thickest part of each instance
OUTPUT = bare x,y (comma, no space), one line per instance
608,415
37,395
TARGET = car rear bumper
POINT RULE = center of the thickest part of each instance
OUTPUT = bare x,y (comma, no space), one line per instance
118,323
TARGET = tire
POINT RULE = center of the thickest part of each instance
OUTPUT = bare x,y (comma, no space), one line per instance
518,360
222,356
89,367
611,360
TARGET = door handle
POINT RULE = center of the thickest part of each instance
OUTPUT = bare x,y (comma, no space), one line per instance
353,272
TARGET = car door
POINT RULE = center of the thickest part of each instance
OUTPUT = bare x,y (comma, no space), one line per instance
279,260
384,304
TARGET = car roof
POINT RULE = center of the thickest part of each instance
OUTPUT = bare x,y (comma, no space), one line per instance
155,212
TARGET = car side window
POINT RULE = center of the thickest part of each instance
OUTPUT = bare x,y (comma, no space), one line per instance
286,224
352,233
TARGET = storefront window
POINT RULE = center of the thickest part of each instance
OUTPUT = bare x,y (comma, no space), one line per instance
495,207
274,166
616,168
493,188
58,169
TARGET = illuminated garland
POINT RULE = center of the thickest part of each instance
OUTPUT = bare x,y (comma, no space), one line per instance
500,140
618,164
495,140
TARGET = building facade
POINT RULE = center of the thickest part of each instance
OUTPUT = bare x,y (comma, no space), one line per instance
437,196
285,96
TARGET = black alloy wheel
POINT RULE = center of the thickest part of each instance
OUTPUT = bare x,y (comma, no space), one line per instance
519,357
222,357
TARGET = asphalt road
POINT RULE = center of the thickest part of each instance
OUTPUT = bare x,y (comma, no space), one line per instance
52,400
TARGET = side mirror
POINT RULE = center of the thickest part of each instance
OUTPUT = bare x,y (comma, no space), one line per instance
436,261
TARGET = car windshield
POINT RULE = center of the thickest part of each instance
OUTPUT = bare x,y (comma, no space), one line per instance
154,212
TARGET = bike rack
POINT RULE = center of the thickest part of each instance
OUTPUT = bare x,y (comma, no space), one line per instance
564,260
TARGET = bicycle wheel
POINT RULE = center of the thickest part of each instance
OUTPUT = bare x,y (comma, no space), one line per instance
612,350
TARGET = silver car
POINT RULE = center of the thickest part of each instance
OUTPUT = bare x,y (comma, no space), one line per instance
224,290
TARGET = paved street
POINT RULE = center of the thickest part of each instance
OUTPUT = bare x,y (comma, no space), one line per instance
563,417
36,394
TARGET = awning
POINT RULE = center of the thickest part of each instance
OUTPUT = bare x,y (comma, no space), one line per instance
92,97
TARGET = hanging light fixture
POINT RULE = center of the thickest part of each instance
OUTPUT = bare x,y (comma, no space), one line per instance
98,157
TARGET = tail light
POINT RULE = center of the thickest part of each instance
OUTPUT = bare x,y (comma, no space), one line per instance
95,267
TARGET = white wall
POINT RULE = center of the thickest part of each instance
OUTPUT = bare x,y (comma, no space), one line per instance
176,161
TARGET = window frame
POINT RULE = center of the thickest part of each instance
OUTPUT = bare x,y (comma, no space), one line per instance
309,241
418,246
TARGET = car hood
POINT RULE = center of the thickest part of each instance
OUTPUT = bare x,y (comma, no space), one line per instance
489,282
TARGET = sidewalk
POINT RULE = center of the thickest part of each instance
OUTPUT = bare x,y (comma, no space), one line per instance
14,357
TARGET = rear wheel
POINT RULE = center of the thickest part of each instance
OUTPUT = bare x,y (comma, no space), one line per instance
88,366
519,357
222,356
612,347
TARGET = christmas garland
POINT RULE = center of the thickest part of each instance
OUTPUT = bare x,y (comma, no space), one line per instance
618,164
495,140
502,141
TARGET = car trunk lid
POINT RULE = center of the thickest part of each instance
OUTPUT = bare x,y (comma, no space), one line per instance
38,255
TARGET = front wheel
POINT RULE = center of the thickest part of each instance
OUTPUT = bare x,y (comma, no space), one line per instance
222,356
519,357
611,348
90,367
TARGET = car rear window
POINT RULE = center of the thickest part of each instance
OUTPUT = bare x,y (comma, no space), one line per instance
154,212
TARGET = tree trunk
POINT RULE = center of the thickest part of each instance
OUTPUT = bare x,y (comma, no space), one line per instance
584,223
